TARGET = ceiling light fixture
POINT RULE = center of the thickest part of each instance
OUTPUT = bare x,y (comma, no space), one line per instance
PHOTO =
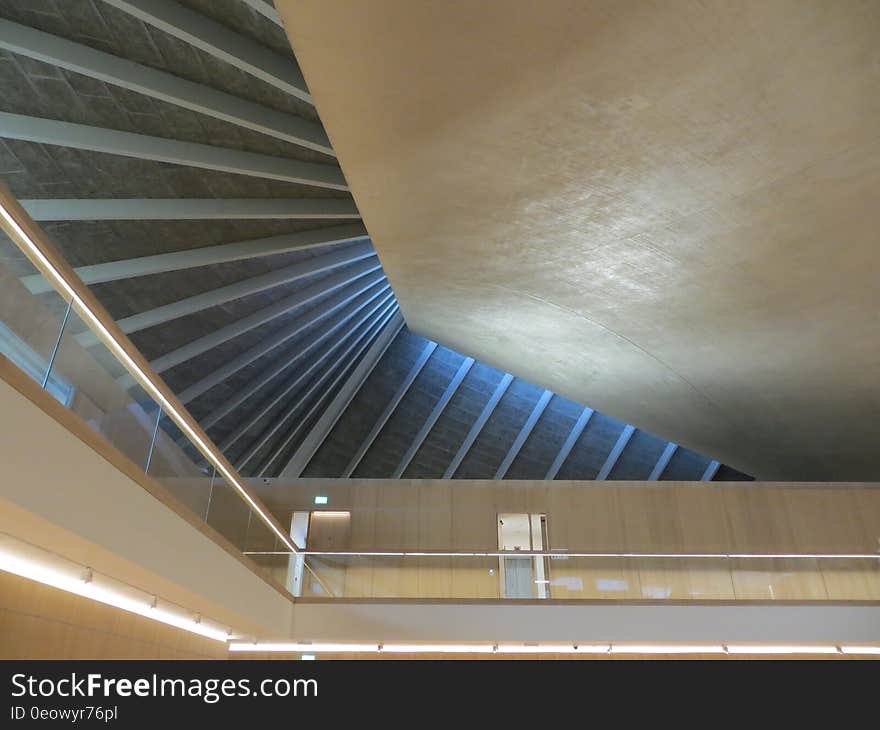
851,649
81,581
299,647
438,648
667,649
553,649
780,649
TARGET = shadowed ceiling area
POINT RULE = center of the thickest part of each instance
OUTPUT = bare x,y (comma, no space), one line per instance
665,210
174,154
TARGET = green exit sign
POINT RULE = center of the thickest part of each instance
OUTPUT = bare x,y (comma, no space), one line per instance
320,499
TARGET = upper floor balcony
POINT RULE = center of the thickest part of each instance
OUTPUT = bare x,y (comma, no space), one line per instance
370,548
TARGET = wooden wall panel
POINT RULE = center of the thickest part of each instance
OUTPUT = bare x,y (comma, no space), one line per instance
825,520
40,622
435,533
757,520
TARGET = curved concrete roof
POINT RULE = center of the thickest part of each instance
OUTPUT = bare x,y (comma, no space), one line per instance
669,211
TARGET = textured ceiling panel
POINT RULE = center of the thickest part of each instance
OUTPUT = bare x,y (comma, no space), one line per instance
280,351
101,26
665,210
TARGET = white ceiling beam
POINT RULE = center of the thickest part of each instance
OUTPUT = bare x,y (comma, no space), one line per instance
433,417
367,333
347,283
523,435
179,209
390,408
301,376
472,435
237,290
616,451
206,256
160,85
306,451
296,327
662,462
357,332
160,149
710,472
219,41
573,436
266,10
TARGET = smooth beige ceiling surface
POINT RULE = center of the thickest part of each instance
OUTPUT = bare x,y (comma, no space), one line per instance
669,211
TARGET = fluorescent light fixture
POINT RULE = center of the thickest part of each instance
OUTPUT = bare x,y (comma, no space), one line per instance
209,451
780,649
299,647
667,649
320,499
66,581
438,648
553,649
849,649
308,657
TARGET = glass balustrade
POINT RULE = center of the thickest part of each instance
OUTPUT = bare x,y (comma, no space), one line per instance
569,578
50,340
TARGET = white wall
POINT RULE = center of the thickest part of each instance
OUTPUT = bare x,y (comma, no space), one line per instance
57,492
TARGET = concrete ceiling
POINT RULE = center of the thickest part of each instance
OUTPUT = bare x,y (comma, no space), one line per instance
259,300
667,210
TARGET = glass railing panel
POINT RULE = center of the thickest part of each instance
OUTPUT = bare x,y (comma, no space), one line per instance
516,578
579,578
180,468
851,580
681,579
125,417
773,579
228,513
30,324
241,525
258,537
280,567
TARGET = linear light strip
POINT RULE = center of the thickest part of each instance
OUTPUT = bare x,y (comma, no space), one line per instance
553,649
867,650
664,649
139,374
531,554
41,573
569,648
436,648
300,647
796,649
